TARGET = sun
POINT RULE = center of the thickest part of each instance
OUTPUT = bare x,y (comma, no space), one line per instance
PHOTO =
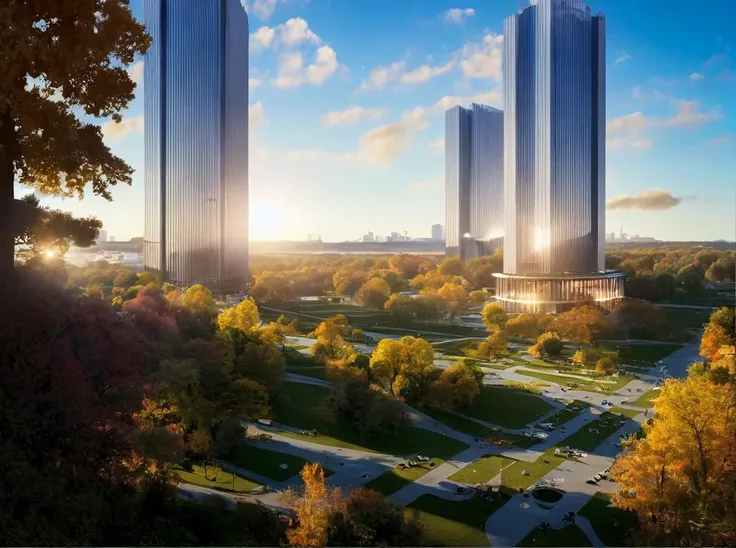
267,221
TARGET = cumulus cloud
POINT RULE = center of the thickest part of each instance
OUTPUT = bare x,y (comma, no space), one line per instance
623,56
437,145
651,200
492,97
456,15
483,60
381,76
427,186
425,73
262,38
629,131
256,117
136,72
115,131
695,76
383,144
352,116
292,72
263,8
254,83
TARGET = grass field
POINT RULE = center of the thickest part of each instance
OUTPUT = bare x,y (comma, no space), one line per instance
483,470
508,407
316,372
451,523
612,525
570,535
692,318
457,348
456,422
300,406
630,413
646,399
585,440
268,463
568,413
222,480
586,385
650,353
513,477
393,480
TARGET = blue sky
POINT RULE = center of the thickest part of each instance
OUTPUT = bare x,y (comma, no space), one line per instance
346,115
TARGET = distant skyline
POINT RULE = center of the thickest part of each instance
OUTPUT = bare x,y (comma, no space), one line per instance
347,127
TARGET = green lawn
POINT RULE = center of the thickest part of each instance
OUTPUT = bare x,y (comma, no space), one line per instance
585,440
611,524
393,480
268,463
513,477
570,535
693,318
517,440
457,348
483,470
630,413
316,372
294,358
221,479
585,385
508,407
300,406
650,353
568,413
646,399
457,422
451,523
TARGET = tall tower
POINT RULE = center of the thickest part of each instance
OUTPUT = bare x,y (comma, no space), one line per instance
555,159
196,142
473,181
554,100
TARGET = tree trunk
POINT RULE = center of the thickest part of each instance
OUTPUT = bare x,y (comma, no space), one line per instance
7,209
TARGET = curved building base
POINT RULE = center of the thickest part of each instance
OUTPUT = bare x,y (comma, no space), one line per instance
555,293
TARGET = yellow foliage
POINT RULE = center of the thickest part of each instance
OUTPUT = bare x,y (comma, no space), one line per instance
244,316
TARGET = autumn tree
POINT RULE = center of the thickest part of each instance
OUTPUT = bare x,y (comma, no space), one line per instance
547,345
457,386
680,477
405,366
451,266
52,231
691,279
313,504
494,347
579,357
373,293
528,325
582,324
330,343
455,296
494,317
243,316
605,366
61,59
641,319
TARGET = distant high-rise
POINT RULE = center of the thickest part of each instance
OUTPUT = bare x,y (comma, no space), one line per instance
196,142
554,71
102,237
438,232
473,181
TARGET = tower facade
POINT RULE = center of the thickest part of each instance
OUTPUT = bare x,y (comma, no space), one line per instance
554,102
473,181
196,143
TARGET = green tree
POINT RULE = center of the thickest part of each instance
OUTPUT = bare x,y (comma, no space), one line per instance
61,58
494,347
547,345
691,279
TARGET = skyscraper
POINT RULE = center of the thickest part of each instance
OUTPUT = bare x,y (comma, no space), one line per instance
473,181
196,142
438,232
554,158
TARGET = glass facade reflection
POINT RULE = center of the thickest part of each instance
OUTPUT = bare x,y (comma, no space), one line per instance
554,104
196,142
473,181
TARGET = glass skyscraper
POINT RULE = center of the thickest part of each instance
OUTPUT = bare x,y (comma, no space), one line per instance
555,107
196,142
554,159
473,181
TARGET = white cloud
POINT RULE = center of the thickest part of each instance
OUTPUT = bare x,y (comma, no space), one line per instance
383,144
427,186
380,77
695,76
456,15
437,145
296,31
293,73
689,114
352,116
256,117
136,72
425,73
254,83
316,155
483,60
262,38
623,56
115,131
492,97
264,8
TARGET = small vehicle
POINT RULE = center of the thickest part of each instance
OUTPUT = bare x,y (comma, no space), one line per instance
422,458
547,426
